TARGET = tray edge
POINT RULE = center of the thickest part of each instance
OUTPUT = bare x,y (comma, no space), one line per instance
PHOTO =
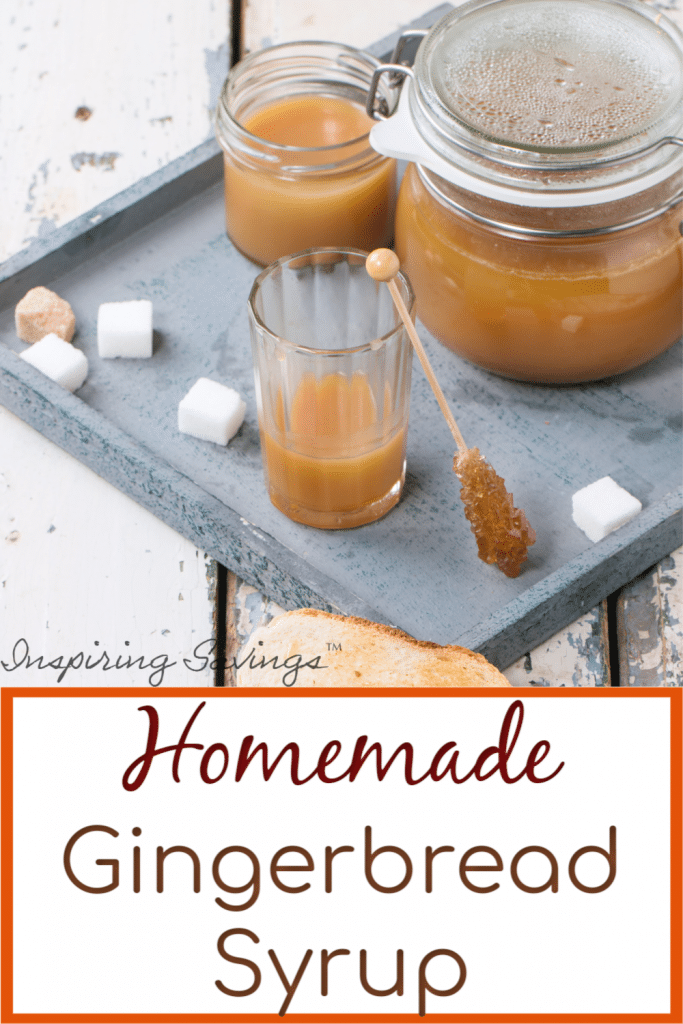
167,493
264,563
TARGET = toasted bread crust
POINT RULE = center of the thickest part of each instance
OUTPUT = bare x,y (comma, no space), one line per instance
368,654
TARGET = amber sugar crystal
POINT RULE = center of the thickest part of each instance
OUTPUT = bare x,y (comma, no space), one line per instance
502,531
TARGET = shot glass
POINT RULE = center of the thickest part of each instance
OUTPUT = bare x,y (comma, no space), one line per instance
332,364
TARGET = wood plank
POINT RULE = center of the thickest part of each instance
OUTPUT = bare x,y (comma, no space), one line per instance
650,626
267,22
149,74
81,563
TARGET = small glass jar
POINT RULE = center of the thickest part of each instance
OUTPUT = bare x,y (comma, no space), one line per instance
539,224
299,169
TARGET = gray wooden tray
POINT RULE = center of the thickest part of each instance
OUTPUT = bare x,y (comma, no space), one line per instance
164,239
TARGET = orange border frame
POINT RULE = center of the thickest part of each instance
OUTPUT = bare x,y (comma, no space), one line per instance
674,695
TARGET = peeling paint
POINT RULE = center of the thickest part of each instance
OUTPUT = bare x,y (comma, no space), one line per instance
649,626
211,575
576,656
217,65
251,610
31,194
105,161
242,617
46,226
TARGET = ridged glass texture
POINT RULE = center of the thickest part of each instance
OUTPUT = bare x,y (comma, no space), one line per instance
332,365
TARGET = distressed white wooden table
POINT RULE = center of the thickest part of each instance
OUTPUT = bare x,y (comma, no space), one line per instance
96,97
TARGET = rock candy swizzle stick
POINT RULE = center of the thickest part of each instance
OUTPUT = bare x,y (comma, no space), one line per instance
502,531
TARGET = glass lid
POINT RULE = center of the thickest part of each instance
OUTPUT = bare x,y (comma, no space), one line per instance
553,76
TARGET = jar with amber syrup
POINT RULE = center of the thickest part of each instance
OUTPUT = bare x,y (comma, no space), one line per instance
300,172
540,219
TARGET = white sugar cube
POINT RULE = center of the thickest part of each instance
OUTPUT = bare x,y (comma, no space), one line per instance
124,329
58,360
211,411
602,507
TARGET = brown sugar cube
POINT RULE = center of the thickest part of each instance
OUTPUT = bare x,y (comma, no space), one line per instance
42,312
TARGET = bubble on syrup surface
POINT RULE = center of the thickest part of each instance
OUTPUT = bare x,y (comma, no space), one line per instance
557,76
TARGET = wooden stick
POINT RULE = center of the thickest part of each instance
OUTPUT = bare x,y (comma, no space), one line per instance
383,265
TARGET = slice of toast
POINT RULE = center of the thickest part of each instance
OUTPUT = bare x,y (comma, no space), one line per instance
313,648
